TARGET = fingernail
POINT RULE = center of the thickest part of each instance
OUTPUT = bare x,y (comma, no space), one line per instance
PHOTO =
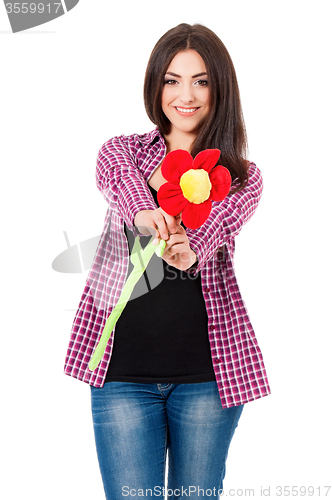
165,236
173,230
155,241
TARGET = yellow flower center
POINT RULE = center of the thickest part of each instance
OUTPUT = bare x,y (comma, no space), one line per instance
196,185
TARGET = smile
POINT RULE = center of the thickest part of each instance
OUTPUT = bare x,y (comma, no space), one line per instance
186,111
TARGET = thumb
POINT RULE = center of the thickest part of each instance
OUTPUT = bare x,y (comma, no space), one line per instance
178,219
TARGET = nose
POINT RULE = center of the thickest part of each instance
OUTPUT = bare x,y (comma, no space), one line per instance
187,94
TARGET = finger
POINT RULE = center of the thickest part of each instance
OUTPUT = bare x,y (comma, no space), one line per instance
178,220
171,224
161,225
174,246
170,221
180,230
152,228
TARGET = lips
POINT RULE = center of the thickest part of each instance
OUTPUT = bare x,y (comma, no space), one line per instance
186,111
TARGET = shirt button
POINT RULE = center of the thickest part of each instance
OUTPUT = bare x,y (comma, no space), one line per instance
207,289
212,327
217,360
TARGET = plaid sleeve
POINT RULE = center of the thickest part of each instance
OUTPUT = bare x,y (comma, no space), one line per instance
226,219
120,180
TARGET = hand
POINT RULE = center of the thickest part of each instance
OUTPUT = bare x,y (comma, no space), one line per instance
177,252
157,222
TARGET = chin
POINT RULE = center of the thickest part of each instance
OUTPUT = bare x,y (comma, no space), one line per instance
193,129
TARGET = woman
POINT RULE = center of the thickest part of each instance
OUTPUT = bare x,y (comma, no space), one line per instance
185,359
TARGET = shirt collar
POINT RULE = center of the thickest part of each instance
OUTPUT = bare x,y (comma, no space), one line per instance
149,139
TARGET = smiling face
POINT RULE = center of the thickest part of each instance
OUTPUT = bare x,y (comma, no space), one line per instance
185,96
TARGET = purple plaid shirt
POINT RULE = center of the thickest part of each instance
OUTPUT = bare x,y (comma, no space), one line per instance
124,166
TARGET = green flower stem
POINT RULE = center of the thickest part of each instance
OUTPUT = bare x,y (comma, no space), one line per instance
140,260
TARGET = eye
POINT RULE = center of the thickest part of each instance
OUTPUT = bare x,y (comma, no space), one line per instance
170,82
201,83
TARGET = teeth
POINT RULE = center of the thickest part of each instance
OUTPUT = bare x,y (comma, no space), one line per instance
183,110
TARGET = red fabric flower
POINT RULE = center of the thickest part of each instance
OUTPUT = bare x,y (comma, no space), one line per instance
192,184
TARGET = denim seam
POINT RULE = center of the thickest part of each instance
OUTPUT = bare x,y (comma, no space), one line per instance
161,388
229,442
165,452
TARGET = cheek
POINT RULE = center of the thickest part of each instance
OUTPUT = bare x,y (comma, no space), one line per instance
164,102
207,98
166,99
206,101
168,95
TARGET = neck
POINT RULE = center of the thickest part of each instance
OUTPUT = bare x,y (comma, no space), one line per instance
179,140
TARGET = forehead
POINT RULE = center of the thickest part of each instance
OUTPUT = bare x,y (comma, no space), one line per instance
187,63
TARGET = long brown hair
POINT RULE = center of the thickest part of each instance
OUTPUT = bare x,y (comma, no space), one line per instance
224,126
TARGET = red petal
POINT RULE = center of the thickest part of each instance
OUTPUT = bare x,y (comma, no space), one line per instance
206,159
221,181
171,199
194,215
175,164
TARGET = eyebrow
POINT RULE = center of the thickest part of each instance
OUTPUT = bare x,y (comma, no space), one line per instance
178,76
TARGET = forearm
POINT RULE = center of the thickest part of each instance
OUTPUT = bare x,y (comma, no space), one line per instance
226,219
121,182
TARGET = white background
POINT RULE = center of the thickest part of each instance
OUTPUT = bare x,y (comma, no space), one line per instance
67,87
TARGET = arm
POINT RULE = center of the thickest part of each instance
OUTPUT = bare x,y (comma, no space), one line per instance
120,181
226,219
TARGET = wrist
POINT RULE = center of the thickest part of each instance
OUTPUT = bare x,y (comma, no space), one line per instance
141,222
137,216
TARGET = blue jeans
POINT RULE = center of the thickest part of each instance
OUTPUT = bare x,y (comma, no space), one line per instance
136,424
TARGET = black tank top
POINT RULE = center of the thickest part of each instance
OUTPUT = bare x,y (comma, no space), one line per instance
161,335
